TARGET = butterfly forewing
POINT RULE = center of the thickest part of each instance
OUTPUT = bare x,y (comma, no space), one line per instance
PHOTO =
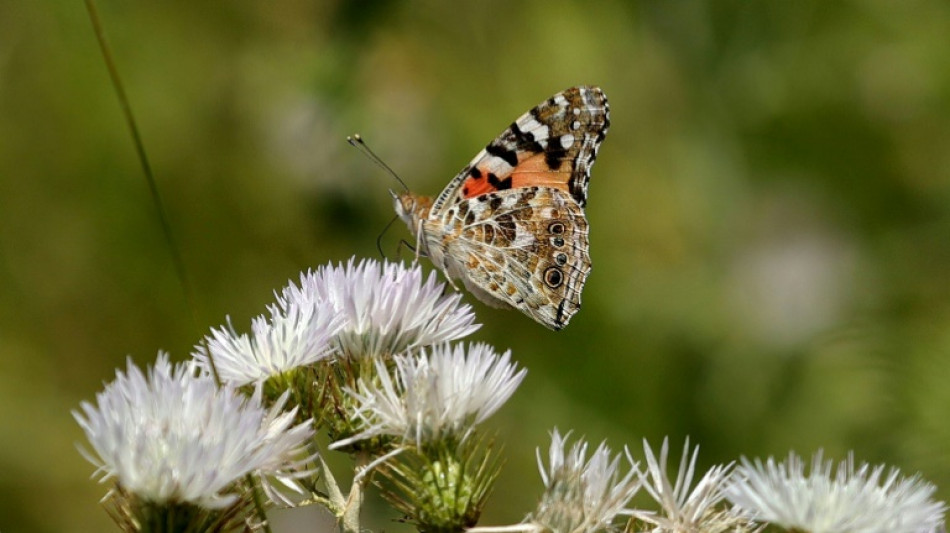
553,145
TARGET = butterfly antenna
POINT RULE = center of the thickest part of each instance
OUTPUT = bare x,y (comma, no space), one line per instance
357,142
379,239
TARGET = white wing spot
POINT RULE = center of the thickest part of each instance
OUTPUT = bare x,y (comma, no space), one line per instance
567,140
576,111
575,125
523,238
539,131
541,134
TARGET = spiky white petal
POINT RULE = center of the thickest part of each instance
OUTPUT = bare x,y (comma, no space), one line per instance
835,500
684,508
582,495
172,436
297,334
389,308
435,394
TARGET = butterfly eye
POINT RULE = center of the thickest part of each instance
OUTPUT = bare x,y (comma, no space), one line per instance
561,259
556,228
553,277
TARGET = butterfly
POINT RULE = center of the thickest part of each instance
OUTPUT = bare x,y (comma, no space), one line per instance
511,224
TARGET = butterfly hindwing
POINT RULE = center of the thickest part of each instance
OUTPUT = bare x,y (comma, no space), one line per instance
553,145
525,248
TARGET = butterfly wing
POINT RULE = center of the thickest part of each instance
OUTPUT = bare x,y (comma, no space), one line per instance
524,248
511,224
553,145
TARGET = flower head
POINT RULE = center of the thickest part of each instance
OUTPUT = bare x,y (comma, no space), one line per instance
685,509
831,500
170,437
298,334
581,495
443,488
436,395
388,307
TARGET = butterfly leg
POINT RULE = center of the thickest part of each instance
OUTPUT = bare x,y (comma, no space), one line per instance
404,243
418,247
450,280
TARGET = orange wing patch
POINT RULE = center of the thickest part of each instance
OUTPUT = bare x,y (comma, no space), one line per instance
532,170
481,182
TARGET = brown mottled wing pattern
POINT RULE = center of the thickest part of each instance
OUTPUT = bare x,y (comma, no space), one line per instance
526,248
511,224
553,145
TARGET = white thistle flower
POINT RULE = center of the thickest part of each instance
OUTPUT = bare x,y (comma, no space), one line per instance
433,396
297,335
171,437
581,495
388,307
685,509
835,500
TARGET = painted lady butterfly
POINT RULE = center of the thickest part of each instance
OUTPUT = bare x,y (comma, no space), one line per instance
511,224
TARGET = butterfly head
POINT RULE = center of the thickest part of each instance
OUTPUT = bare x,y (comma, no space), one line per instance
411,208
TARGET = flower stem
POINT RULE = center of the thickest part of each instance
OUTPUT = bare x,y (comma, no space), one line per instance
350,519
258,503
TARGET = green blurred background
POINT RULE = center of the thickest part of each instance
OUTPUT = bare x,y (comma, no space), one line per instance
770,212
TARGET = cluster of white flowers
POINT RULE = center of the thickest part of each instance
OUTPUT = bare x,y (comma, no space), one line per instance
360,310
827,500
376,339
186,435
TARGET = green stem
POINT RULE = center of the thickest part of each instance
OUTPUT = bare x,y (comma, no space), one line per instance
335,496
350,520
177,261
258,502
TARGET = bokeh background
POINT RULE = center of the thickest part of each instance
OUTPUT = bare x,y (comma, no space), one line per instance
770,212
